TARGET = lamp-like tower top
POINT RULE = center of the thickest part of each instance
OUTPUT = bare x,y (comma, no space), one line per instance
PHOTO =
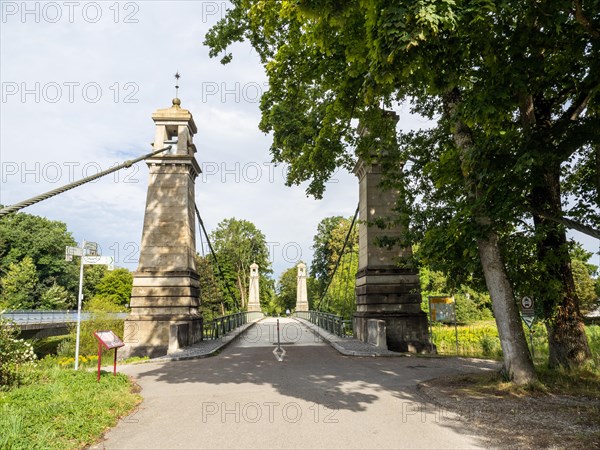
301,269
175,126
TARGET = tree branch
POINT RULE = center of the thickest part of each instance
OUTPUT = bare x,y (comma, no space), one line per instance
583,21
569,223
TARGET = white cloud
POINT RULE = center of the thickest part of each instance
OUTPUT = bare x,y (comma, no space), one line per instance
40,134
48,141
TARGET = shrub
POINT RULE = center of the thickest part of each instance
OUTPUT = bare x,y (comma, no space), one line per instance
100,307
490,347
15,354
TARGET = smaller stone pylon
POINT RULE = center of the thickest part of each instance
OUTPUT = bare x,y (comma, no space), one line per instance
254,290
301,293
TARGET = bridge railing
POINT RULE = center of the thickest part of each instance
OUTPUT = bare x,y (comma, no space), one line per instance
29,317
332,323
220,326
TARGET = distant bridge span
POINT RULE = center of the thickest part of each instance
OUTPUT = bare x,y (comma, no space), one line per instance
39,324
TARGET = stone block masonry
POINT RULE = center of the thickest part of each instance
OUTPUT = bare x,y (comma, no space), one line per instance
166,285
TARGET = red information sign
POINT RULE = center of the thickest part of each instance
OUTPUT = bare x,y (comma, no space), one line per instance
108,340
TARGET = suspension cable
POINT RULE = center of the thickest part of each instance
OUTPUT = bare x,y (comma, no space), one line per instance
25,203
212,251
339,258
346,280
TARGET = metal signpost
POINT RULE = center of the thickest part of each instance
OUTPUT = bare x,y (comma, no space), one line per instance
442,308
88,252
528,316
279,352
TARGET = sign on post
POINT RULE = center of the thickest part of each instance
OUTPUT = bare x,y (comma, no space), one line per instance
528,311
528,316
89,255
91,247
108,340
104,260
442,308
72,251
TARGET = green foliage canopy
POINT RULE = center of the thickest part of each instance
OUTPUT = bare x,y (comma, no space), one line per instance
238,244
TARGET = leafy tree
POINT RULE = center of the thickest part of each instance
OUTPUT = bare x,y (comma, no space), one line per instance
56,297
268,297
323,258
471,304
328,244
287,288
44,241
583,273
18,285
212,293
511,83
341,298
585,286
92,275
101,319
116,285
238,244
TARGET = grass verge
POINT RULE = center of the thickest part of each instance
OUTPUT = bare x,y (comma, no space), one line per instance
63,409
575,382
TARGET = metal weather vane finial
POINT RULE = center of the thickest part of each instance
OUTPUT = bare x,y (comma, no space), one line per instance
177,77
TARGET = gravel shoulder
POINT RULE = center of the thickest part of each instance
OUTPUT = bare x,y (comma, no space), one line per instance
509,420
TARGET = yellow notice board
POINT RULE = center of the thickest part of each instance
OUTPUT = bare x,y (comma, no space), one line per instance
441,308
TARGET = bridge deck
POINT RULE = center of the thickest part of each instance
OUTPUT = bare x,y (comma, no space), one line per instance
315,398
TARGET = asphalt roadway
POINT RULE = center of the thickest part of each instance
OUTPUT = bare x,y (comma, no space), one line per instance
314,398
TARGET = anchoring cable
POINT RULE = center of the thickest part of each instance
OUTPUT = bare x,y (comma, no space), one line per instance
339,258
25,203
235,302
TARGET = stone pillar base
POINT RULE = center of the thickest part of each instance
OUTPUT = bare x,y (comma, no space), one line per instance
392,294
149,335
404,332
303,306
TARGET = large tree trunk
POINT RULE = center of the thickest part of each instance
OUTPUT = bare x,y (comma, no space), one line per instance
517,360
567,341
518,365
242,289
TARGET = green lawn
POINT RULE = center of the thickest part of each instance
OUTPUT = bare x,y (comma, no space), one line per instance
63,409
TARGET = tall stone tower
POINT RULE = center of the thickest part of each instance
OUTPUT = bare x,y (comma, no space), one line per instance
254,290
165,286
301,293
385,291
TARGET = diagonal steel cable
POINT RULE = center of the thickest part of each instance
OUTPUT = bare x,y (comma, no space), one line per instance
212,251
339,258
25,203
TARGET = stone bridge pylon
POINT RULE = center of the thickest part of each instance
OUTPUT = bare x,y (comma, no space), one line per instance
384,290
165,285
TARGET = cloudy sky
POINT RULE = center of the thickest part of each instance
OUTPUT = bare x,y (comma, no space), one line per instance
80,81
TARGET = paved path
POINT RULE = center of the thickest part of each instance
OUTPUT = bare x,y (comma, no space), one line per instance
315,398
347,345
204,349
